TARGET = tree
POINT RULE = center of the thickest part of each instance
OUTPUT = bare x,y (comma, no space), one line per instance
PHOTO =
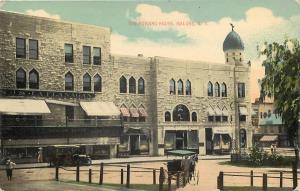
282,81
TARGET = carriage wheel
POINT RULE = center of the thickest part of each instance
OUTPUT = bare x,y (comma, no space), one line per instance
197,177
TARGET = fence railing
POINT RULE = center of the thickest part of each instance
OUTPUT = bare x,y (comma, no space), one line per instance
124,173
281,175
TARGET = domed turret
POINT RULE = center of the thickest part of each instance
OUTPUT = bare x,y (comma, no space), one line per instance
233,48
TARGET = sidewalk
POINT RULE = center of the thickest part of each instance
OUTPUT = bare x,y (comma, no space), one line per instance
125,160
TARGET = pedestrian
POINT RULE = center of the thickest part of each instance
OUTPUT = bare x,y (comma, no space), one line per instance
9,168
40,155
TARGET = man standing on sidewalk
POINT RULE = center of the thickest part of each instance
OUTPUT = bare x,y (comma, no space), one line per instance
9,168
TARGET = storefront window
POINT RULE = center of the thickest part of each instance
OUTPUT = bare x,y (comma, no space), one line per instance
193,140
170,140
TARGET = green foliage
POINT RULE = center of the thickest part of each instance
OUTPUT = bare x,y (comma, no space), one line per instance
282,81
257,156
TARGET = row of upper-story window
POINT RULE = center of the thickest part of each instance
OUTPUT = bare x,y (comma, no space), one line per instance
34,79
87,56
214,90
180,90
132,85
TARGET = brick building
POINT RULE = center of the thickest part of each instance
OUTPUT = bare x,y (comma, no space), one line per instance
112,103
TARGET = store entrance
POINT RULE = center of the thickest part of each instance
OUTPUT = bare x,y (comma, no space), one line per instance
181,140
209,141
134,145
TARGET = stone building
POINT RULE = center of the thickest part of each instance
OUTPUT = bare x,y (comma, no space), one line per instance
65,76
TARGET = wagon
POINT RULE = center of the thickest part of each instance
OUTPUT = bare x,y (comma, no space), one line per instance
175,166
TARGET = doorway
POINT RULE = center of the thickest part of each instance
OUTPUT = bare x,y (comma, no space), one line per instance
209,142
134,145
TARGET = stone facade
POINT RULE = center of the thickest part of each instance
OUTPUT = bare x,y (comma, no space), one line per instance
156,72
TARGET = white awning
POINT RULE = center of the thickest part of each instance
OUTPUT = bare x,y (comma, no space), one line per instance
269,138
61,102
100,108
23,107
243,111
210,112
222,130
218,112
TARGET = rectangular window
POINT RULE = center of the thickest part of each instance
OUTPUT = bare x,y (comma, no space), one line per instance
242,118
86,54
218,118
97,56
224,118
241,90
20,48
33,49
69,53
210,118
69,112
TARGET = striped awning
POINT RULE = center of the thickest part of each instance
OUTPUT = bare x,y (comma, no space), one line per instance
125,112
134,112
143,112
269,138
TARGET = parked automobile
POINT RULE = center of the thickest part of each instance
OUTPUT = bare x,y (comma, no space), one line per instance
82,159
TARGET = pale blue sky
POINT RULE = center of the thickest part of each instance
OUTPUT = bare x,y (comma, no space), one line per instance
256,21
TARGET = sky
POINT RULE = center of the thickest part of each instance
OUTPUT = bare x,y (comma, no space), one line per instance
193,30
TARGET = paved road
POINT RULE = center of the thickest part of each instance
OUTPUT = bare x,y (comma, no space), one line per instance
48,186
126,160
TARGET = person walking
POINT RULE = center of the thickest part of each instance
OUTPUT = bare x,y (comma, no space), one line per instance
40,155
9,168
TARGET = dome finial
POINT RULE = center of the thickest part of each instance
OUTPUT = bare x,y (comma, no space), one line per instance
232,26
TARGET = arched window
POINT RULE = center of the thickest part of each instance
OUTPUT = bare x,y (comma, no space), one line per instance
181,113
33,79
188,88
87,82
21,78
123,85
210,89
141,86
97,83
217,89
180,87
172,87
194,116
224,90
69,82
132,88
167,116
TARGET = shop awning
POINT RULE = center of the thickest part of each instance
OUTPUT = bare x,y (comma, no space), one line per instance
61,102
269,138
23,107
100,108
125,112
243,111
134,112
225,112
210,112
143,112
218,112
222,130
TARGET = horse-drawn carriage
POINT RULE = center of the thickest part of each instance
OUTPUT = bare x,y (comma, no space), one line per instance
184,167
